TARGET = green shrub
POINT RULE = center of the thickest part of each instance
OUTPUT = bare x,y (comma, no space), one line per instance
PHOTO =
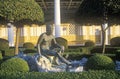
73,50
1,57
108,50
80,49
115,41
4,44
100,62
89,43
63,42
26,51
29,48
15,64
61,75
28,45
9,52
74,56
118,55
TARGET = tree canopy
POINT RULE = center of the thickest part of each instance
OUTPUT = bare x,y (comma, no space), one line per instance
18,10
92,11
21,12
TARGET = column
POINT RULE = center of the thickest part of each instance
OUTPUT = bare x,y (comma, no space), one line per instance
10,34
57,19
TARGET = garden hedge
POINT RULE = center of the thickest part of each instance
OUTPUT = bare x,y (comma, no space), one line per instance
89,43
115,41
1,57
62,41
28,45
61,75
14,64
4,44
29,48
100,62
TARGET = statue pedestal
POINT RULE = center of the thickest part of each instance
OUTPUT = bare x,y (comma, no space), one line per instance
44,64
75,69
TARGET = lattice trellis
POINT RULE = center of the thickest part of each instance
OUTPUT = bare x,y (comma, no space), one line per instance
72,29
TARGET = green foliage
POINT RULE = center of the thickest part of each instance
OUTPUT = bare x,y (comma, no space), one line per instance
61,75
115,41
15,64
4,44
76,53
29,48
9,52
114,5
61,41
16,10
92,11
1,57
21,12
26,51
70,50
108,50
118,55
76,56
89,43
28,45
100,62
76,49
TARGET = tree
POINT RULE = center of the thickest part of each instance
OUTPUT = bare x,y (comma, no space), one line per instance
99,12
21,12
94,9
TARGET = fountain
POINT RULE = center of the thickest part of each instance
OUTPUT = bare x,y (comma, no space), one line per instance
48,46
43,64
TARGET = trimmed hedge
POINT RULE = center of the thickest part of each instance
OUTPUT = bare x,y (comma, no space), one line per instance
115,41
61,75
89,43
76,56
100,62
108,50
80,50
117,55
9,52
14,64
63,42
28,45
73,50
26,51
29,48
1,57
4,44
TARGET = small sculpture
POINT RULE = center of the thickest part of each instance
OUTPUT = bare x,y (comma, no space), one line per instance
47,45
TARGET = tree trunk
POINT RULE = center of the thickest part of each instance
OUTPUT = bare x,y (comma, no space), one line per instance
103,42
17,40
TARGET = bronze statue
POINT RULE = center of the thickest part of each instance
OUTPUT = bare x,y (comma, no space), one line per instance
47,45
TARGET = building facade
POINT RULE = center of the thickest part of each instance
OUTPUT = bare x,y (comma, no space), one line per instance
74,33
